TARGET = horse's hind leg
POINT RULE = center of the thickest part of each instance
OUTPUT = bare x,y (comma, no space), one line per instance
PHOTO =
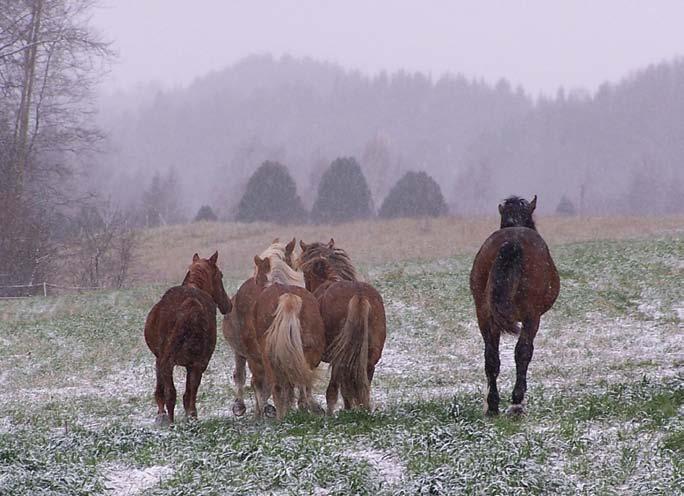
192,382
492,366
307,401
165,375
281,399
331,395
239,379
162,418
523,355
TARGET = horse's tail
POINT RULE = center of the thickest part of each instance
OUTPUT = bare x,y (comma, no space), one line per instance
283,343
503,284
349,351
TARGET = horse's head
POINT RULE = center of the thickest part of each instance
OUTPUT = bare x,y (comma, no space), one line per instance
337,258
315,248
517,212
289,253
204,274
262,269
317,272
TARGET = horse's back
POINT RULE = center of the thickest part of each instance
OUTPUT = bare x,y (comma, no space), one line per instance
334,302
186,310
540,283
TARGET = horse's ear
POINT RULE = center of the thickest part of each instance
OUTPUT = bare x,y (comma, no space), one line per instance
213,259
533,204
195,258
302,245
262,263
331,243
289,248
500,209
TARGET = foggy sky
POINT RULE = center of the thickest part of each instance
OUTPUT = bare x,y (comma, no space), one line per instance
540,44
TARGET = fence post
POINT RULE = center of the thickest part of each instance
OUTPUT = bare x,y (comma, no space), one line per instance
44,289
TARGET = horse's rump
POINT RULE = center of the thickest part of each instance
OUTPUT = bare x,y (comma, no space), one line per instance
513,278
190,338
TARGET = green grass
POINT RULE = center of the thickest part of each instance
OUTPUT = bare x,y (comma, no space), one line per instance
605,406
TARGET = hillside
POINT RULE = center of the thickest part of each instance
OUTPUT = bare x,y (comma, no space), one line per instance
164,253
616,151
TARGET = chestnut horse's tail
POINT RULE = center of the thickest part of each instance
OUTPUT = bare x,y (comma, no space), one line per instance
349,352
503,284
283,343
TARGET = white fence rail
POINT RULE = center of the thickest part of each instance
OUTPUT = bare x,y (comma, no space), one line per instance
42,287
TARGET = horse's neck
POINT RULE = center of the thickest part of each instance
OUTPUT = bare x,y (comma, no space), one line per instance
195,281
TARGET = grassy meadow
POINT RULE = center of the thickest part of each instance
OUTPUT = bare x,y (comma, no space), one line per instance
605,405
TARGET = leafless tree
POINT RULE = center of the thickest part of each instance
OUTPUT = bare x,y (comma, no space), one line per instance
50,58
104,246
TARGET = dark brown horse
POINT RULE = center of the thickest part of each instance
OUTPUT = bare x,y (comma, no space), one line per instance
513,280
355,326
286,323
234,324
181,330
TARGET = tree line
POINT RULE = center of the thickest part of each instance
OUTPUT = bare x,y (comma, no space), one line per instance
607,152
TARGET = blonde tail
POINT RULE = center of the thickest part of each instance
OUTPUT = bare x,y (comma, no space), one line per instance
283,344
349,353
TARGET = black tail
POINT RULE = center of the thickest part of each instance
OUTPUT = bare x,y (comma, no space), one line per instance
503,284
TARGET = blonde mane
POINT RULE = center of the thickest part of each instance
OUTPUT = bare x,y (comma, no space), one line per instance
280,273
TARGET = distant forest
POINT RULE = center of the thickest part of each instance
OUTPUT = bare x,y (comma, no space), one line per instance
618,151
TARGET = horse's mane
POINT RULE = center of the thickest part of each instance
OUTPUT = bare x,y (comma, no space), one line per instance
521,217
198,276
280,273
337,258
277,249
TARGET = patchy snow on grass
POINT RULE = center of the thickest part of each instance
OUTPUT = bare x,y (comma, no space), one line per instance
127,481
390,469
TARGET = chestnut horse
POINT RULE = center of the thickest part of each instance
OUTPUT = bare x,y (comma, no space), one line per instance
513,280
286,323
234,324
181,330
355,326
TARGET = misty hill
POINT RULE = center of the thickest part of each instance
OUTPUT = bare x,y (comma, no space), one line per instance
479,142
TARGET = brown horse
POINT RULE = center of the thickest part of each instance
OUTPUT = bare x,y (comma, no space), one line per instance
245,346
355,325
286,323
181,330
513,280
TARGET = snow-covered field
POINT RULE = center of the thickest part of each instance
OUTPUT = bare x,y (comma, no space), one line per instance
605,400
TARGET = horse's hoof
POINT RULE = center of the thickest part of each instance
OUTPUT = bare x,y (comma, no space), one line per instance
269,411
239,408
162,420
316,409
516,410
492,413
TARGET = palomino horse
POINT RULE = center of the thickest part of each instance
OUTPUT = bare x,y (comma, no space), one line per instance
513,280
286,323
355,326
181,330
243,301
